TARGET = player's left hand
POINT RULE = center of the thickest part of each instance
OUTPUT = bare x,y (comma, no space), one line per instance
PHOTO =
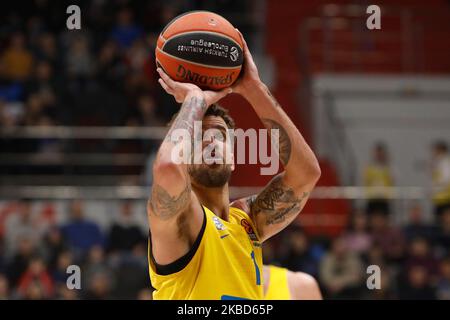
179,90
249,75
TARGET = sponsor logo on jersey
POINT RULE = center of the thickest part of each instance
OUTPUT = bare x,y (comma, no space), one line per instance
248,228
219,225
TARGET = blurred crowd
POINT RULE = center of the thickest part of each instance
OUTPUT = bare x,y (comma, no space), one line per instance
36,251
414,260
413,257
103,74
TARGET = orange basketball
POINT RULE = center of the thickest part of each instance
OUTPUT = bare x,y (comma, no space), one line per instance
200,47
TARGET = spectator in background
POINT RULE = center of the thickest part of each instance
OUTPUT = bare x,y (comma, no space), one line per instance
20,260
96,263
145,294
54,245
47,51
125,32
43,85
11,100
131,273
34,110
8,118
23,224
341,272
59,272
443,284
389,238
98,277
375,256
416,227
2,257
443,234
147,115
65,293
36,275
125,233
269,254
80,233
35,291
440,178
4,287
357,238
378,174
147,111
417,285
111,67
80,63
137,56
420,255
17,59
6,209
99,288
300,256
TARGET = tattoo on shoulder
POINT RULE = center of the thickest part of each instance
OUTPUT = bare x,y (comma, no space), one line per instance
276,202
283,143
165,206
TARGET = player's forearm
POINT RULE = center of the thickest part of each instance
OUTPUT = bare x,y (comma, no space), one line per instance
296,156
192,110
169,169
171,187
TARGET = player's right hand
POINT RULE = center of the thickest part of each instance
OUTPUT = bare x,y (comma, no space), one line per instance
180,90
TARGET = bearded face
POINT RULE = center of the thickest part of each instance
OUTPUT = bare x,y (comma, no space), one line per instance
217,163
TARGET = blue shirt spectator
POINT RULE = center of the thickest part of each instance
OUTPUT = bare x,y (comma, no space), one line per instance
125,32
11,92
80,233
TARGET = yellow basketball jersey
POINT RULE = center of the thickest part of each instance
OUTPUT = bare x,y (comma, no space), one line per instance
226,265
278,288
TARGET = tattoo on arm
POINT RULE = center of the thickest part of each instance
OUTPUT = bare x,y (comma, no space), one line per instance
165,206
283,143
276,202
191,110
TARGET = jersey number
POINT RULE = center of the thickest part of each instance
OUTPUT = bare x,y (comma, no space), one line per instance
258,274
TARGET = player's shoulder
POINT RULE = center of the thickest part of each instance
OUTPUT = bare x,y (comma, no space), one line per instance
241,204
303,286
303,278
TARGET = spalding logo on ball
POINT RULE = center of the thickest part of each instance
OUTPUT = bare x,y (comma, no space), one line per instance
200,47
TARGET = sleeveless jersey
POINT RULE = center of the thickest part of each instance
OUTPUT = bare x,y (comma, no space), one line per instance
227,263
278,288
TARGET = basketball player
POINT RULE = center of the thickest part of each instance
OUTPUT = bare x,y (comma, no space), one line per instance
200,245
283,284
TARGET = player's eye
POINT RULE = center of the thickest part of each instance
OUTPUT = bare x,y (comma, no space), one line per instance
219,136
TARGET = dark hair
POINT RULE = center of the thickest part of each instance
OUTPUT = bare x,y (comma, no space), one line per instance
379,145
214,110
351,226
218,111
441,146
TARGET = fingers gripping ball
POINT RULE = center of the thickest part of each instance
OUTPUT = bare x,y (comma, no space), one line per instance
202,48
